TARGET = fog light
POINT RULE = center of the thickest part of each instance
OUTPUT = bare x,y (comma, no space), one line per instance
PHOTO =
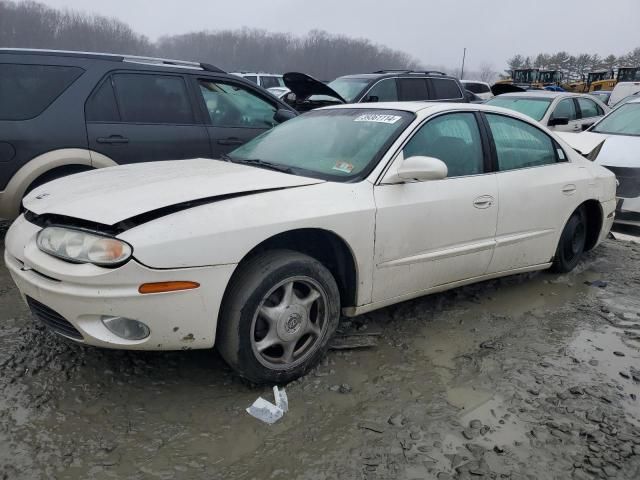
126,327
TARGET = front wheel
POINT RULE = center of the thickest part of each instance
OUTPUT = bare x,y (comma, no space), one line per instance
278,315
572,243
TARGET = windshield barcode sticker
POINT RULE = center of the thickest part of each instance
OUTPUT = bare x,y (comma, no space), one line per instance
373,117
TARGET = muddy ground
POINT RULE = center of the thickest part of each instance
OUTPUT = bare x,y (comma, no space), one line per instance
530,377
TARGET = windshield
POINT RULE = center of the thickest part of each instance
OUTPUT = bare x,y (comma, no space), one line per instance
335,144
624,120
525,76
532,107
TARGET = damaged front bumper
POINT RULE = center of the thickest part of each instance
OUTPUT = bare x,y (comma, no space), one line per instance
73,299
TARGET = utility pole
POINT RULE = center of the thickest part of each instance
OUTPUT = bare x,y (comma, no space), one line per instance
464,55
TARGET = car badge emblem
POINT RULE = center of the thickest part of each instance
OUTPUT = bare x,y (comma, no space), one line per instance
41,196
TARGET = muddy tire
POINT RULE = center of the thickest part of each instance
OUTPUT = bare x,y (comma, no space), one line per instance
279,312
572,243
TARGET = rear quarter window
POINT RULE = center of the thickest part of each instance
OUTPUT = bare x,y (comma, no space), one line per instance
27,90
445,89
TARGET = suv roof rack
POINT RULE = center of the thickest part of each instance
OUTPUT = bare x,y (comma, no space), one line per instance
403,70
118,58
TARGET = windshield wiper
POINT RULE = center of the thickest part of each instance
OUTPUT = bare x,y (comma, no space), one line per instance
264,164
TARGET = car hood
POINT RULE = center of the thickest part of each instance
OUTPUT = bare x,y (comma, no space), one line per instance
304,86
111,195
583,142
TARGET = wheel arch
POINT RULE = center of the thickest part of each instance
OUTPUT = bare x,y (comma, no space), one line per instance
40,167
595,219
327,247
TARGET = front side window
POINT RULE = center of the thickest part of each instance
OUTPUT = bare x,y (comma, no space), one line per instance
144,98
233,106
520,145
535,108
589,108
413,89
335,144
565,109
384,91
27,90
252,78
453,138
624,120
444,89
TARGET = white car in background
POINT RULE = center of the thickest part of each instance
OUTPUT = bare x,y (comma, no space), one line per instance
265,80
614,143
559,111
480,89
345,209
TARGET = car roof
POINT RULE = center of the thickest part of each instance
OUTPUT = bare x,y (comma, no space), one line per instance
396,73
540,94
434,107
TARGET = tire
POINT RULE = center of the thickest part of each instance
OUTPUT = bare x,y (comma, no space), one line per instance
572,243
272,328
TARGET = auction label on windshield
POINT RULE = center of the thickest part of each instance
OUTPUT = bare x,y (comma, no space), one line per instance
374,117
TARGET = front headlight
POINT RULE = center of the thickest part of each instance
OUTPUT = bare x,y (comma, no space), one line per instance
78,246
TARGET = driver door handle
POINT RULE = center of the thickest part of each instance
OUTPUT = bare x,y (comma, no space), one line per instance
484,201
230,141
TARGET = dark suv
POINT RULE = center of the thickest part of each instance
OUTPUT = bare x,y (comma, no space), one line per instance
65,112
380,86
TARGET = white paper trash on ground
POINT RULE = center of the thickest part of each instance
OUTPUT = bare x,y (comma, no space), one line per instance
268,412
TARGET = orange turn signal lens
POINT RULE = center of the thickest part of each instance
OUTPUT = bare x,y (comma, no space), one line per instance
163,287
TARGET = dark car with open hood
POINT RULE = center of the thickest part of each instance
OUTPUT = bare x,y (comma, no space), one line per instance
308,93
66,112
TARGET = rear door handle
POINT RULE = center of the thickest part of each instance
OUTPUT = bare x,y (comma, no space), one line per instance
112,139
230,141
569,189
484,201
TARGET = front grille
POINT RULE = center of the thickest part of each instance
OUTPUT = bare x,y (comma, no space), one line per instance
53,320
629,180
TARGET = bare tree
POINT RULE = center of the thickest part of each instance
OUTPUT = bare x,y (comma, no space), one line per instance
487,73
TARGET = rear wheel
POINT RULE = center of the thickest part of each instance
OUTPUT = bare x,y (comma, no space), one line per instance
280,310
572,243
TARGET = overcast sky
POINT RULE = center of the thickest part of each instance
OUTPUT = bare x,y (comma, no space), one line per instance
434,31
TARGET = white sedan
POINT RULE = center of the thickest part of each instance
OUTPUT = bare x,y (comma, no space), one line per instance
342,210
559,111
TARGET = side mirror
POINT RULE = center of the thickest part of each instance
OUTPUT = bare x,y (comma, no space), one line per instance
555,121
419,169
282,115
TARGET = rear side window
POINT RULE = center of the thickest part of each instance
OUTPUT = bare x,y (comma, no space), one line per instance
270,82
445,89
589,108
477,87
152,99
101,106
253,79
27,90
520,145
413,89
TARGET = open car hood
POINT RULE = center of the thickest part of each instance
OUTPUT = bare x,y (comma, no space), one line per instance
304,86
583,142
112,195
